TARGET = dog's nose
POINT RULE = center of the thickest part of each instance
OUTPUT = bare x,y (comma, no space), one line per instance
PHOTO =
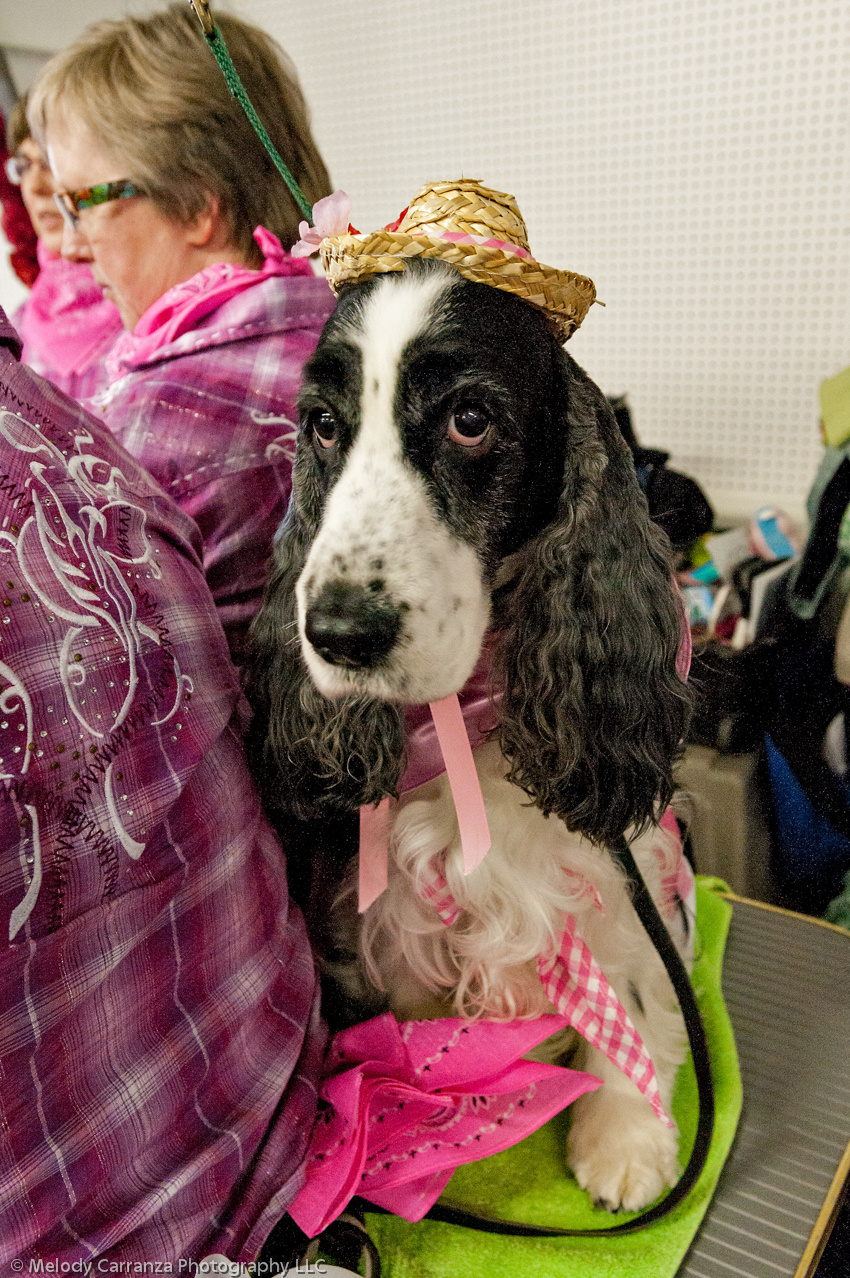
348,626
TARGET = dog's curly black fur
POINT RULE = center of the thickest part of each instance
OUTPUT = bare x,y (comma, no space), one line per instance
593,710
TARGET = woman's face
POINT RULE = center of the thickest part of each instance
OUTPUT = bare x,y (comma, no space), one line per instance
136,253
37,191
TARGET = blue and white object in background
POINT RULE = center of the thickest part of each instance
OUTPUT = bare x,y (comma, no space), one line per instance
698,601
773,535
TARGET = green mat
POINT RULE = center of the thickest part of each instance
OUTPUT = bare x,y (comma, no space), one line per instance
530,1183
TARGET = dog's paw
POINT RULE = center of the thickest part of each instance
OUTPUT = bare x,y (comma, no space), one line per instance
621,1153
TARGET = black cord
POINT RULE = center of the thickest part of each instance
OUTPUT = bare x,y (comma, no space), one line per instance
661,939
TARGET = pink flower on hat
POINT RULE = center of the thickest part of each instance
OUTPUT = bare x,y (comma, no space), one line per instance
330,217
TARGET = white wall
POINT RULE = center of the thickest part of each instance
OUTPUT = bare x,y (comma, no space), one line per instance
49,25
689,155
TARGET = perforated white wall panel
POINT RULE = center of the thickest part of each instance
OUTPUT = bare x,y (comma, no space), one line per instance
689,155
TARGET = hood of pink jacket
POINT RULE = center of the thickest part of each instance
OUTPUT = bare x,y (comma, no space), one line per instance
223,303
66,323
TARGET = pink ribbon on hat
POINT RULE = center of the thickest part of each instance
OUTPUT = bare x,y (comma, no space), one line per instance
468,800
461,237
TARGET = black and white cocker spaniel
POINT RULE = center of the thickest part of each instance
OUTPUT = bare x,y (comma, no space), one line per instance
461,485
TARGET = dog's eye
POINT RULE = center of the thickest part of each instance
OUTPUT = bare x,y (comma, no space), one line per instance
468,424
323,425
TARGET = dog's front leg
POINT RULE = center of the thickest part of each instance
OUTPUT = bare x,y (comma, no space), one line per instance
618,1150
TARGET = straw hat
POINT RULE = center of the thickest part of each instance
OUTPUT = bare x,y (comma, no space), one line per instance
480,233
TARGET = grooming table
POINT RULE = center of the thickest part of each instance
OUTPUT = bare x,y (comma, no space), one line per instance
786,982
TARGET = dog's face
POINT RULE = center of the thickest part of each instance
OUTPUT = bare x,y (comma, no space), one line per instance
456,469
428,421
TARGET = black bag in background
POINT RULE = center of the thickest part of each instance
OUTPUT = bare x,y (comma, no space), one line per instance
676,502
735,694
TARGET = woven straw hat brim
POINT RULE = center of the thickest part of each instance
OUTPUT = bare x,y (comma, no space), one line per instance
563,296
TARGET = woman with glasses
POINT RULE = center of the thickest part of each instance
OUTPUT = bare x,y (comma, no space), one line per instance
169,195
66,324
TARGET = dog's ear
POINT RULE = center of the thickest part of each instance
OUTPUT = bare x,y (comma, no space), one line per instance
593,710
309,755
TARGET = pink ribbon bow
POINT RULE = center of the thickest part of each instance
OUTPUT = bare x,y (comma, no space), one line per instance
468,800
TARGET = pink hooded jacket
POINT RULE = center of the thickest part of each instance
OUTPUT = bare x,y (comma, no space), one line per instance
211,415
67,326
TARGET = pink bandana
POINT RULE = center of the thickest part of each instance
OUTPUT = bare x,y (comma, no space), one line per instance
181,307
404,1105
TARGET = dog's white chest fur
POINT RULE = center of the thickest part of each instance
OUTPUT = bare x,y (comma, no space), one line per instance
513,908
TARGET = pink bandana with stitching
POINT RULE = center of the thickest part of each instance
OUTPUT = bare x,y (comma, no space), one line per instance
403,1105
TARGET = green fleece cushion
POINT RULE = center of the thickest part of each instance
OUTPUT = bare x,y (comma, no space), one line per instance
530,1183
838,910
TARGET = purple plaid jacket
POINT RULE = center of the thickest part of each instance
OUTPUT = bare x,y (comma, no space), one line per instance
159,1036
212,418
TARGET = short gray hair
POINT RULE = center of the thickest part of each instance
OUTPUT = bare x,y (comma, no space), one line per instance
149,89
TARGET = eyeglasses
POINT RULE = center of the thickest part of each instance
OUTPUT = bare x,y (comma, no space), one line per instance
18,166
70,203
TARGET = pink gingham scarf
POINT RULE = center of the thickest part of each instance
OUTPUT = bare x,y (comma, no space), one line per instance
577,988
435,890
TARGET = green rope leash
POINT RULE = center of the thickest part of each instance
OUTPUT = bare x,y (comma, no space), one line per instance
236,87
